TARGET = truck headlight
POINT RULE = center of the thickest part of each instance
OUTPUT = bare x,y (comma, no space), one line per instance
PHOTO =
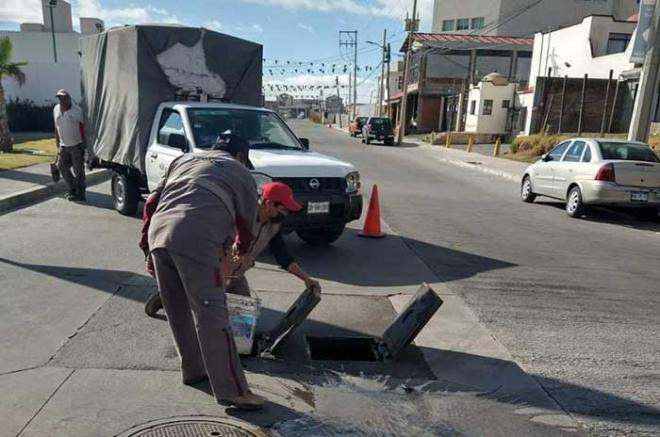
261,179
353,182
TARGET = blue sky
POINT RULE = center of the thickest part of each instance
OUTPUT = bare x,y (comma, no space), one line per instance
290,30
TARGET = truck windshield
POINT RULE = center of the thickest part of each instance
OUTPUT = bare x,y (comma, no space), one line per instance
263,130
626,151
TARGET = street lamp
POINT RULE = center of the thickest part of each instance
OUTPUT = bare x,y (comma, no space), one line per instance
386,58
52,4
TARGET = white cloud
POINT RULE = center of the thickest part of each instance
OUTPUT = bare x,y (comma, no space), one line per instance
30,11
214,25
126,15
21,11
306,27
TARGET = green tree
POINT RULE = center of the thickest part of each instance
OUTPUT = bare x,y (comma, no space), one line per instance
12,70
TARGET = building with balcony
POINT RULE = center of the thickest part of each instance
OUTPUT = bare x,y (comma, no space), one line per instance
443,67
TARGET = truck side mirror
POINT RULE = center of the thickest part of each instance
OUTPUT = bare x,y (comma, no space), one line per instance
305,143
177,141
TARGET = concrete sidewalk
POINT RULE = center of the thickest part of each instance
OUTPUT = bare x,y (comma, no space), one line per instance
31,184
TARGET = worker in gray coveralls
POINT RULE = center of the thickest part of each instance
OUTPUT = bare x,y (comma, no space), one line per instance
275,203
205,199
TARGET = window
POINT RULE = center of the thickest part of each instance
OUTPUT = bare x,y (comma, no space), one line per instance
463,24
626,152
263,130
448,25
473,107
617,42
506,104
488,107
170,123
558,151
587,154
575,152
477,23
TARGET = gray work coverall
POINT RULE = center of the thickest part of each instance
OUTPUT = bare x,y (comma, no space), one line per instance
205,199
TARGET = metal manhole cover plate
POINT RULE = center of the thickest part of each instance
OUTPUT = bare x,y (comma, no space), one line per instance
194,426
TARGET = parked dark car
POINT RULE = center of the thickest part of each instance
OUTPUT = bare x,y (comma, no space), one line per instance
355,127
378,129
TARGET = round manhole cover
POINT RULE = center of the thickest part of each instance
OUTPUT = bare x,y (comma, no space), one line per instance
194,426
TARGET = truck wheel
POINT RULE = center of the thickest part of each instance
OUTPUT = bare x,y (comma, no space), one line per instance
322,236
125,194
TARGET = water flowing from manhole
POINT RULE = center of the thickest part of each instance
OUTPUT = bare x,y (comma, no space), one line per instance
350,406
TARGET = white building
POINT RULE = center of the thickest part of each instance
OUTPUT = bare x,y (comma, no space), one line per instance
489,105
593,47
521,17
34,44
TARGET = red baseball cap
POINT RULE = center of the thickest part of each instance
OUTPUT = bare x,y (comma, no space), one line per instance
280,193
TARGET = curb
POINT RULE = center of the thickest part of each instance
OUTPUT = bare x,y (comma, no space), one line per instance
477,167
43,192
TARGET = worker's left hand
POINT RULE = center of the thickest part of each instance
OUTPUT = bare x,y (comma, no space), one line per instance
312,283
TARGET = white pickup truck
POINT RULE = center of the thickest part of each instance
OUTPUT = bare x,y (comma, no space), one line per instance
328,189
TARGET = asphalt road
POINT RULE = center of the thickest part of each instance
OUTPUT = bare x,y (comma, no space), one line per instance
576,302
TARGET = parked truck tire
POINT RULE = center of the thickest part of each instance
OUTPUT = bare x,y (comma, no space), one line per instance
125,193
322,236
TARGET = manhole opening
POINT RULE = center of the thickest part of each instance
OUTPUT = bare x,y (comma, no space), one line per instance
342,348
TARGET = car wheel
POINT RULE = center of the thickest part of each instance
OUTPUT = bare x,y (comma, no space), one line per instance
526,193
574,205
321,237
125,194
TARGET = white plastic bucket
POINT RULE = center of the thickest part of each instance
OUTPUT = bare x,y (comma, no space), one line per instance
243,315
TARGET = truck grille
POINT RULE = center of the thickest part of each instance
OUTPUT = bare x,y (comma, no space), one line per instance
325,185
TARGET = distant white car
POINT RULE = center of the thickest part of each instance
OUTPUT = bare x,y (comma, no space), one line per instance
588,171
301,116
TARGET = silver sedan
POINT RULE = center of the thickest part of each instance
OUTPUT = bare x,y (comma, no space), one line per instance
588,171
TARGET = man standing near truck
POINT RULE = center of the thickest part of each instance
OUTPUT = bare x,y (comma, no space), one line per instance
205,198
70,141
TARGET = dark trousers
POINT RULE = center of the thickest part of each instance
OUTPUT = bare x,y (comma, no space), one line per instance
73,157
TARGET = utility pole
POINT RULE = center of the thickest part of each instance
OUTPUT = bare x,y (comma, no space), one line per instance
388,57
382,75
349,39
338,100
648,84
404,98
52,4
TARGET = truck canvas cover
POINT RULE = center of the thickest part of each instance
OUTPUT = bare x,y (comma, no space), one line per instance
127,72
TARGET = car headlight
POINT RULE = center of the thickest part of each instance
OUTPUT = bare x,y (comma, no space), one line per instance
261,179
353,182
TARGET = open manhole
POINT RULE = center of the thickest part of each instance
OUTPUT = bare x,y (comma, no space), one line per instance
399,334
194,426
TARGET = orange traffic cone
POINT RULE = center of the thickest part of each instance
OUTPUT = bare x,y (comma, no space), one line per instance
372,223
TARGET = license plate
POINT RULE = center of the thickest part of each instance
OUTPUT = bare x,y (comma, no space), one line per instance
318,208
639,196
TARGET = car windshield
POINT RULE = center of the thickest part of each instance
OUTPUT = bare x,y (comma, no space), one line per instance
263,130
627,152
380,122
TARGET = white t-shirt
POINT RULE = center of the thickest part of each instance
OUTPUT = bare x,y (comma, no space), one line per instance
67,124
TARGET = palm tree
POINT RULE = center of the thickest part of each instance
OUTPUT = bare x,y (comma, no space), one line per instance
13,70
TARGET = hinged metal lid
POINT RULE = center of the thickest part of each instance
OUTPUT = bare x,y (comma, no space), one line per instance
295,315
403,330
